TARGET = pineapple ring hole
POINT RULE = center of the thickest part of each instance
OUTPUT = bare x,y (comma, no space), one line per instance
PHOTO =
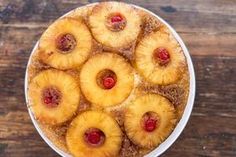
116,22
150,121
94,137
161,55
51,97
65,43
106,79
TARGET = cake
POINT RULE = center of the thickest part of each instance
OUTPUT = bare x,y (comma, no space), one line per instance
107,80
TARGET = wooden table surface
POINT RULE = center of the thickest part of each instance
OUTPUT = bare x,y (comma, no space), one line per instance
208,27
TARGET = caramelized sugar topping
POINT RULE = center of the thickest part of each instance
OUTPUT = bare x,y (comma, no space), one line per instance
65,43
116,22
150,121
94,137
161,56
51,97
106,79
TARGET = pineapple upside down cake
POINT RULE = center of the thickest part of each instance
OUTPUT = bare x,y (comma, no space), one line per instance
108,80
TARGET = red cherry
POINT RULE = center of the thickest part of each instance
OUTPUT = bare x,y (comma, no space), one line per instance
66,42
94,137
116,18
150,125
51,97
48,100
108,82
163,54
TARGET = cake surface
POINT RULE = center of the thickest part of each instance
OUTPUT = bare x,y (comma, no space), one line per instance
108,80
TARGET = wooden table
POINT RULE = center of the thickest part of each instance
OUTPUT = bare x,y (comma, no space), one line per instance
208,28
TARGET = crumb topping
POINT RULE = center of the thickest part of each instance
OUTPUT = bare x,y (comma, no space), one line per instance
128,149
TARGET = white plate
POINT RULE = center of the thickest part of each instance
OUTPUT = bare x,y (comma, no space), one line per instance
179,127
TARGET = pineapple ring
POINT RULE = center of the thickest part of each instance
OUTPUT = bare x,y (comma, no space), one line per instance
148,67
124,79
78,146
104,35
75,29
69,101
135,112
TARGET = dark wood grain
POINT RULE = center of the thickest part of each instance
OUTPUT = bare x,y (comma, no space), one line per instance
207,27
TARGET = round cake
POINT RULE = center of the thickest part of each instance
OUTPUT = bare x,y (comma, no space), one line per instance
107,80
